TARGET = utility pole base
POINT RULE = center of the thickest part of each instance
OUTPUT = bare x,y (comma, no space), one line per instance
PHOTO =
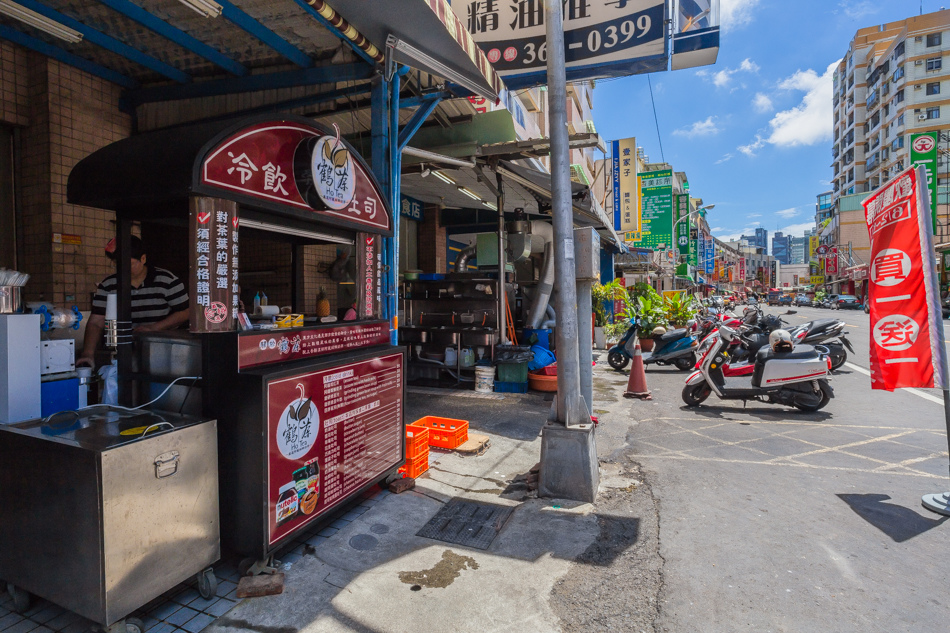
938,502
569,468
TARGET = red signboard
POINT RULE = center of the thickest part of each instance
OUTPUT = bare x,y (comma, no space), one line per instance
831,261
213,267
330,433
907,346
276,346
305,166
742,269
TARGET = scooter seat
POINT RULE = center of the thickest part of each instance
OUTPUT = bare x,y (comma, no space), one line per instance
674,335
800,352
821,324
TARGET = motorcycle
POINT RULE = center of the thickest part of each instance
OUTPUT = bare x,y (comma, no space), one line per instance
675,347
798,378
824,332
620,354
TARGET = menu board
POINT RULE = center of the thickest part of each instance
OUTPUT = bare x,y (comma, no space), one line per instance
656,215
278,346
330,433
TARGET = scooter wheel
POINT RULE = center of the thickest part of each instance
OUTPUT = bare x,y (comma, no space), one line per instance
684,364
617,360
838,358
695,395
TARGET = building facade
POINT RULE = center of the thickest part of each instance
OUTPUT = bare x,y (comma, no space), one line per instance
781,247
759,239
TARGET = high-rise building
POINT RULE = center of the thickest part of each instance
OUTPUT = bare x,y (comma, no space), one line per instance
889,84
758,240
798,247
781,247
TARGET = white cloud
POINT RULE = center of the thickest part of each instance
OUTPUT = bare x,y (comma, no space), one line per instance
797,230
725,158
723,78
787,213
754,215
735,13
762,103
857,10
699,128
807,123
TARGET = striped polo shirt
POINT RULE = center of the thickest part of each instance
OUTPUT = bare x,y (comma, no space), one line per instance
159,295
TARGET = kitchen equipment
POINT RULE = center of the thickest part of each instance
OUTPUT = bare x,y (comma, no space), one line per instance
11,299
20,397
108,508
57,356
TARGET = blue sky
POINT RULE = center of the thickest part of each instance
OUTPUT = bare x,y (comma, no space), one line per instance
753,131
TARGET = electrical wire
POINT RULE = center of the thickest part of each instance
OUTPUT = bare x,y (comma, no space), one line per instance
656,120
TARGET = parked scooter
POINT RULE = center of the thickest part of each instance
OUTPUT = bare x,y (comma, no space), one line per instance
796,378
827,332
620,354
675,347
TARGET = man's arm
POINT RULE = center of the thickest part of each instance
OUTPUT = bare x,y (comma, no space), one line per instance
170,322
94,327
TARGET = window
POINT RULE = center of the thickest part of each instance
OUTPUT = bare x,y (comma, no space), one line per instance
898,96
933,113
898,74
898,50
934,63
900,120
934,39
933,88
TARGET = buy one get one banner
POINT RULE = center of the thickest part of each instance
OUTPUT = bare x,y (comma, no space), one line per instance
907,343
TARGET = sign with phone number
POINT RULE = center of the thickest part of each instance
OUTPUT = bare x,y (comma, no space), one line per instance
511,33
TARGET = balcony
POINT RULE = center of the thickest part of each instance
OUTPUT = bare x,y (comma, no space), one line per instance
835,151
872,99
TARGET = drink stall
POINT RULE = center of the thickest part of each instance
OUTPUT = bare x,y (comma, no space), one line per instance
309,407
305,408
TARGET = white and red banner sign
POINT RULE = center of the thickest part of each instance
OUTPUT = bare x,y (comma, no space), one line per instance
907,343
831,261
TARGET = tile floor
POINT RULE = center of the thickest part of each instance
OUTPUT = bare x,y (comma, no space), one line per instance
182,608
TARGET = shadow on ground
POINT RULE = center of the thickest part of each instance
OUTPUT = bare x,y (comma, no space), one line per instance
897,522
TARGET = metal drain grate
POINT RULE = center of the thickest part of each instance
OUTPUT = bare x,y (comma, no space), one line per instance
467,523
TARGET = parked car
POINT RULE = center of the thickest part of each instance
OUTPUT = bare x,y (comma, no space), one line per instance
846,302
802,301
785,300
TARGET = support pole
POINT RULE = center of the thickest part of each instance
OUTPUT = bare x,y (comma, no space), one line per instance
123,278
939,502
569,467
502,292
395,181
585,340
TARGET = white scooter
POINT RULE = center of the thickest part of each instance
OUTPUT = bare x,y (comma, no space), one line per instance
798,378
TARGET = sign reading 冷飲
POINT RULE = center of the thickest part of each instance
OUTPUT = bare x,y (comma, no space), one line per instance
656,209
626,193
907,342
923,152
601,39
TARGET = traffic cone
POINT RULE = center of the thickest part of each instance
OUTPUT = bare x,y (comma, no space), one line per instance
637,384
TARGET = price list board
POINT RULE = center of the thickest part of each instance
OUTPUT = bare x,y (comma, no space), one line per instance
656,215
329,434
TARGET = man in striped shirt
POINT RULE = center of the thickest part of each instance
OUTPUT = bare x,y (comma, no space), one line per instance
159,300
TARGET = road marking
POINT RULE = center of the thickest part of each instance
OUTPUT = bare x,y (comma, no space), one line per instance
916,392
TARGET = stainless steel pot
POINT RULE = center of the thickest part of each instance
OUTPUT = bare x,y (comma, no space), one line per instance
11,299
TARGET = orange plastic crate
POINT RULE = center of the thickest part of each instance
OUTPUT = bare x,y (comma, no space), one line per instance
416,466
417,441
444,432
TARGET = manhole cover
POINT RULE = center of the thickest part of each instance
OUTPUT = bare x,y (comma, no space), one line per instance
467,523
363,542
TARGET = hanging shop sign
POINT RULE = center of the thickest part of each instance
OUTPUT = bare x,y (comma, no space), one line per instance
330,433
907,342
601,39
213,264
276,164
923,152
656,209
369,273
626,191
693,244
831,262
816,280
812,249
411,208
710,255
682,228
741,268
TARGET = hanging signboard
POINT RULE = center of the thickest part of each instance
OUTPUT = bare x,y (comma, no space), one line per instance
831,262
656,209
742,269
213,264
411,208
923,152
626,191
682,228
710,254
693,243
601,39
812,249
907,342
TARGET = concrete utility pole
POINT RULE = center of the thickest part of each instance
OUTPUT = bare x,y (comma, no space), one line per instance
568,452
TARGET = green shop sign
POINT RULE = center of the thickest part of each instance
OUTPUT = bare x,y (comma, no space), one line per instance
656,215
923,152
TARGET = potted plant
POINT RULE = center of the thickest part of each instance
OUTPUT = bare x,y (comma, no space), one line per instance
601,296
649,310
680,308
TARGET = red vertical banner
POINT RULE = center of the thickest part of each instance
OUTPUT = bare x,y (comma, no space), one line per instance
831,261
213,266
907,343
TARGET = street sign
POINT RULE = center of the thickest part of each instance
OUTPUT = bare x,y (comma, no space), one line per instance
907,342
601,39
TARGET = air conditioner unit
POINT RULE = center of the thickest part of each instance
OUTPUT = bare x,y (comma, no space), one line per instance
919,38
918,62
917,87
921,117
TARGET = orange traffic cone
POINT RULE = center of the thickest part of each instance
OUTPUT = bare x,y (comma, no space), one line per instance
637,385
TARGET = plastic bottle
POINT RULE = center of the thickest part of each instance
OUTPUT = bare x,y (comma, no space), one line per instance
257,303
263,298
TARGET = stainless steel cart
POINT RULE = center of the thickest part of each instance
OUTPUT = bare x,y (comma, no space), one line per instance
105,509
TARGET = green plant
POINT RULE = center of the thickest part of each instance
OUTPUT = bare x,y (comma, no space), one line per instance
680,308
650,311
614,331
601,295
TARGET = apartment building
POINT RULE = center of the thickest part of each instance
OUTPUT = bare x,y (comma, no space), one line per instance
891,83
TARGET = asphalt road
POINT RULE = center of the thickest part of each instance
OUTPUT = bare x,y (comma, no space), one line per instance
776,520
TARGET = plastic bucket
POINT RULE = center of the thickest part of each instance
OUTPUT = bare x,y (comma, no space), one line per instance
484,379
544,336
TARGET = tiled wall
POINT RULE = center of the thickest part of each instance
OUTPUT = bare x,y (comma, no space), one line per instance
64,114
432,244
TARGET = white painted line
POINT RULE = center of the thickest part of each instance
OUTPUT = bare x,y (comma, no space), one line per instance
893,298
916,392
891,361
